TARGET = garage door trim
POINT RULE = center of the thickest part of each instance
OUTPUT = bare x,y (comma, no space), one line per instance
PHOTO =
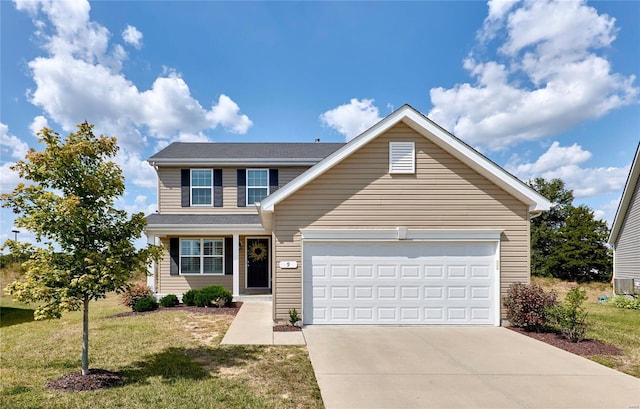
410,235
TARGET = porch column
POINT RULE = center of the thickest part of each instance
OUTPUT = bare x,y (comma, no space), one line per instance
151,275
236,265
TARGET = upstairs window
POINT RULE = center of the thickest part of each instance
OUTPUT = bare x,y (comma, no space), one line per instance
257,185
201,256
402,157
201,187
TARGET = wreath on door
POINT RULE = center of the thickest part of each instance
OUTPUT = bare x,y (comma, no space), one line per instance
257,251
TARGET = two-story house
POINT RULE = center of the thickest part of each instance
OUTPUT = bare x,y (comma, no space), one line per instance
404,224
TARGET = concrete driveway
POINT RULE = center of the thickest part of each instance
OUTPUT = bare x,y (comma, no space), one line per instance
457,367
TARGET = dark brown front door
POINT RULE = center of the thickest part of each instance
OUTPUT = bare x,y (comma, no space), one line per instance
257,263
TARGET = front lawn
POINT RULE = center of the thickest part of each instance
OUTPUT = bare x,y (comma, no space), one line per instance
615,326
170,359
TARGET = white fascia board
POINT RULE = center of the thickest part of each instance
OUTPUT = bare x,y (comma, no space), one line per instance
428,129
166,229
477,162
336,157
393,234
625,200
235,162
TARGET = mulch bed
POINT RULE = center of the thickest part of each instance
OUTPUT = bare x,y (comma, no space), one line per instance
586,347
286,328
96,379
232,309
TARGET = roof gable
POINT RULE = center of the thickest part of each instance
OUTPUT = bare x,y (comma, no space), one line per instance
627,195
435,134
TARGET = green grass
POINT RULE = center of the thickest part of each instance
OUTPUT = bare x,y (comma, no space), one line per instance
609,324
170,359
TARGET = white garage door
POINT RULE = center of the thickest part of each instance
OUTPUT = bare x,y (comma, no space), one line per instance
400,283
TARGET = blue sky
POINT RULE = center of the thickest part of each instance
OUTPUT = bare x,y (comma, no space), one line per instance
543,88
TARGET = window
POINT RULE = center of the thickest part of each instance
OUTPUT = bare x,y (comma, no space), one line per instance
201,256
257,185
402,157
201,187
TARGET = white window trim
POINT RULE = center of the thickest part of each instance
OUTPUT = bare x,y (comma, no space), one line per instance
191,187
247,187
402,145
202,256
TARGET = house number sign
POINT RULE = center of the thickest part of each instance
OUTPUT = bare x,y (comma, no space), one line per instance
288,264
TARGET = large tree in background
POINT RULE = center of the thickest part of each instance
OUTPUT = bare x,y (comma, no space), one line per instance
568,242
87,244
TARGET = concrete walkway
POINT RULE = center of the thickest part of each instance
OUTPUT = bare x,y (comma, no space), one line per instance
457,367
254,326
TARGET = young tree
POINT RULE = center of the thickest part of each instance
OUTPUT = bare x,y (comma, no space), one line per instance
88,247
568,242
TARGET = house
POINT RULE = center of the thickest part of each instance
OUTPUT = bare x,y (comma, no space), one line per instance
405,224
625,235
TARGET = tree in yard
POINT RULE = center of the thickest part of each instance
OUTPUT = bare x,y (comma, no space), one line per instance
87,244
568,242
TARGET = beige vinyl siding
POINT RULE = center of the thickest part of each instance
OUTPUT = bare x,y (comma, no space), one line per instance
359,192
169,201
179,284
627,249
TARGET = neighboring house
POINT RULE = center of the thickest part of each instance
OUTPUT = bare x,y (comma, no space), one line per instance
625,234
405,224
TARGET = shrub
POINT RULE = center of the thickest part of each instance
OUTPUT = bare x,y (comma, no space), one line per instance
189,298
569,317
294,317
132,295
169,300
622,301
202,299
216,295
146,304
528,306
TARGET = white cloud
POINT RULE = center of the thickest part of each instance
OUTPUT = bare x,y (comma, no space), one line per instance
226,113
80,80
38,123
353,118
132,36
139,204
10,147
136,170
545,79
564,163
607,211
11,144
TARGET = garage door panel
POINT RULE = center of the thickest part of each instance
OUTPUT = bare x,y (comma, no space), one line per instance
363,271
339,271
399,283
409,272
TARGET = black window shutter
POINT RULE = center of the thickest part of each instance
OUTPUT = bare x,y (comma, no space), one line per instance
174,253
228,256
242,188
217,187
273,180
185,186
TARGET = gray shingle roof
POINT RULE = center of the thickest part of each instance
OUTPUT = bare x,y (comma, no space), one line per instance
220,152
202,219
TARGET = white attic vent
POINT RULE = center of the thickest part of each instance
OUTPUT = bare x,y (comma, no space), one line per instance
402,157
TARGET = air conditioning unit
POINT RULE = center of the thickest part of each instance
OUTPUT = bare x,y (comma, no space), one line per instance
626,286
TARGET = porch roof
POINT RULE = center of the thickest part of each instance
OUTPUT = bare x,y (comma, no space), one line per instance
191,223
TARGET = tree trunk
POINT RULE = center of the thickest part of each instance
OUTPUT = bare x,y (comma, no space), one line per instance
85,336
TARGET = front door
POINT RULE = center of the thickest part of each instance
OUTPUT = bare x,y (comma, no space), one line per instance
257,263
